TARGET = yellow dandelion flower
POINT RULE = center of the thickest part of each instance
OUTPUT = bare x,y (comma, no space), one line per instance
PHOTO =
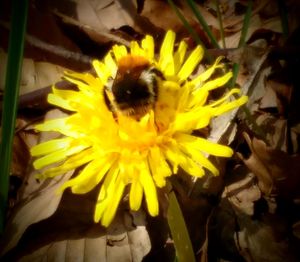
132,124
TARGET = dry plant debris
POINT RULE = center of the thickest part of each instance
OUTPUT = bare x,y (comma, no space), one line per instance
249,213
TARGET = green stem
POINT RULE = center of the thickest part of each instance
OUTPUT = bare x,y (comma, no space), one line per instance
11,92
182,242
203,23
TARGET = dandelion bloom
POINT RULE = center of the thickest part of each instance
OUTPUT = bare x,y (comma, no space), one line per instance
117,150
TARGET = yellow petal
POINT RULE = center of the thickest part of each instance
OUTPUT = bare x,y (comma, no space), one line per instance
136,195
135,49
174,156
208,72
58,125
225,97
111,64
105,192
102,70
191,63
204,145
76,148
192,168
168,44
88,171
218,82
90,176
109,180
191,120
66,98
99,209
148,46
199,97
88,183
166,61
168,66
230,105
71,163
60,102
159,167
199,158
185,97
110,211
59,155
149,188
179,55
51,125
84,81
119,51
54,157
50,146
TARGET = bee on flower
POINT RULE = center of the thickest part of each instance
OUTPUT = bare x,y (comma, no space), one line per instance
132,124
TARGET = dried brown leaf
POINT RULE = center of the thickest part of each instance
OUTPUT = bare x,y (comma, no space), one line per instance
265,181
243,193
283,93
276,130
257,242
269,100
34,75
37,202
155,9
277,172
70,234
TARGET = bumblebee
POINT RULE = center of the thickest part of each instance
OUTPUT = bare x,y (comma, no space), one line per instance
134,90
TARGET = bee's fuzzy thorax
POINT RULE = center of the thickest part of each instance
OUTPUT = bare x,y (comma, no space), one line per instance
130,62
134,88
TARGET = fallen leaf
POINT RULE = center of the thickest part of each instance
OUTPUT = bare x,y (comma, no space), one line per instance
277,172
275,130
283,93
37,201
242,192
170,20
34,75
269,99
257,242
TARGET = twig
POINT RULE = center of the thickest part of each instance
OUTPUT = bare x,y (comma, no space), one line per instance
106,34
57,50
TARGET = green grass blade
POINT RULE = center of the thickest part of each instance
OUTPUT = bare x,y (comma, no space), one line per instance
203,23
246,24
242,41
192,32
182,242
186,23
11,92
220,19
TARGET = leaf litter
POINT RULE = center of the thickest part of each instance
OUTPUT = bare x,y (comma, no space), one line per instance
249,213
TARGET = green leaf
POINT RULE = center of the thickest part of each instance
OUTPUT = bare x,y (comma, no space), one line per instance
10,102
182,242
